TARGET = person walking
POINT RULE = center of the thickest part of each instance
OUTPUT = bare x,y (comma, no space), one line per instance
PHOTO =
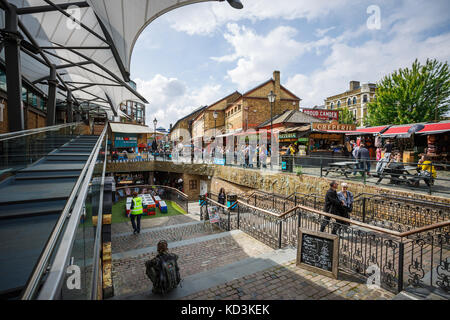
332,205
355,156
346,197
363,157
222,196
136,212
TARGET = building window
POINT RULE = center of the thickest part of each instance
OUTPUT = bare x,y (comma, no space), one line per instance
332,105
239,107
365,98
339,103
192,184
349,101
354,100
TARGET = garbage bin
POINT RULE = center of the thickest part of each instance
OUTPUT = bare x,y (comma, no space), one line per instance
202,199
231,198
287,163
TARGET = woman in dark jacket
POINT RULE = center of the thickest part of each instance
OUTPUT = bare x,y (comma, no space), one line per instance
222,196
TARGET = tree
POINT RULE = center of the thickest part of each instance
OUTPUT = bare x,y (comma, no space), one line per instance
419,94
346,116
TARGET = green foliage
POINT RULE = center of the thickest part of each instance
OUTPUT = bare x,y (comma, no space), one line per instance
419,94
299,170
345,116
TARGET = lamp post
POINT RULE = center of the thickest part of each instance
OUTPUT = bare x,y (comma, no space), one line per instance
215,115
154,124
271,98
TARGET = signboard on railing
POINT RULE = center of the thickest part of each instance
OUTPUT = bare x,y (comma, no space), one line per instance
318,252
213,213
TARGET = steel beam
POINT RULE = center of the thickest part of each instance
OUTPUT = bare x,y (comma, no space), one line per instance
51,102
63,6
12,39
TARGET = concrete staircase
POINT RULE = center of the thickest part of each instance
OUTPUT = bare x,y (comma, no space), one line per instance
30,204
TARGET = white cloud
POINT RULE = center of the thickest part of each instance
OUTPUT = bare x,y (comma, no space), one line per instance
171,99
205,18
257,56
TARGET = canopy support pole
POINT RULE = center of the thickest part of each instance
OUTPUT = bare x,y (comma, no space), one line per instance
12,41
69,107
51,103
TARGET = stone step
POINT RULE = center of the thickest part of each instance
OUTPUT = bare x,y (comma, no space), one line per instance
195,255
149,237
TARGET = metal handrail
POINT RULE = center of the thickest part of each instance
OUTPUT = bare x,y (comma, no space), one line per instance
98,232
41,266
153,185
53,283
357,223
23,133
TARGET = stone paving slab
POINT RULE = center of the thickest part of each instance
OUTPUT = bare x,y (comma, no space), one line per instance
289,282
199,256
149,237
125,227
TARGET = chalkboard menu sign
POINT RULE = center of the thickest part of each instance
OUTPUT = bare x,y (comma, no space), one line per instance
318,252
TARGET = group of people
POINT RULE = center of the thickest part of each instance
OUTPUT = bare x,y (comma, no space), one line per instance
337,203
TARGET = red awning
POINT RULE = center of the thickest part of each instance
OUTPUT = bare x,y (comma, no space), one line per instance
371,130
434,128
400,131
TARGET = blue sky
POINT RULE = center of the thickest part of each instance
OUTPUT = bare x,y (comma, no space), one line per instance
199,53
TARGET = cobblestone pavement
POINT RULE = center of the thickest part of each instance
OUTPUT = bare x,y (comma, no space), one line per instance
149,238
289,282
123,227
129,273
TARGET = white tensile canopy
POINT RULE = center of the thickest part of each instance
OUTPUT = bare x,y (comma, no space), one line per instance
90,43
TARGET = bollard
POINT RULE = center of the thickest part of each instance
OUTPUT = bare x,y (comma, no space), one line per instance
280,230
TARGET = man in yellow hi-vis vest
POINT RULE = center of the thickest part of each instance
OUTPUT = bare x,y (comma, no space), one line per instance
136,212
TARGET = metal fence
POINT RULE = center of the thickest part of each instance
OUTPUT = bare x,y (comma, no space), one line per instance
419,257
164,192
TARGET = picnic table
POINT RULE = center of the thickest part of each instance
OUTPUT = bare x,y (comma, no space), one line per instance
343,167
401,174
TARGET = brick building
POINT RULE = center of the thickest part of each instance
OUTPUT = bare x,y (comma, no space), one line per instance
205,125
183,124
356,99
253,107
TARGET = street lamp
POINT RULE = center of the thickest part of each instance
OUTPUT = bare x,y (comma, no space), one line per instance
271,98
154,132
237,4
215,115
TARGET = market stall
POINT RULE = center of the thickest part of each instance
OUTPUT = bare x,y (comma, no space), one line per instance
327,139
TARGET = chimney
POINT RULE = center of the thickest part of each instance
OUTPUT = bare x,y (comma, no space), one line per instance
277,88
354,85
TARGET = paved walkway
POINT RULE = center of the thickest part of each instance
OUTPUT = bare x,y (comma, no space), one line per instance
221,265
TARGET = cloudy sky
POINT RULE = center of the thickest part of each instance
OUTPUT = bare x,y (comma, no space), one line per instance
197,54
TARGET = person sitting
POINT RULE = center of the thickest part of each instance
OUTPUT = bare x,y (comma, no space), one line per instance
163,269
426,171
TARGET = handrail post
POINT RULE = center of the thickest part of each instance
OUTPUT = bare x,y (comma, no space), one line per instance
280,230
321,166
229,219
295,200
299,220
238,216
364,209
401,251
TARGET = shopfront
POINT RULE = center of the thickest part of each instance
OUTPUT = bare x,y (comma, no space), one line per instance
328,139
297,136
125,141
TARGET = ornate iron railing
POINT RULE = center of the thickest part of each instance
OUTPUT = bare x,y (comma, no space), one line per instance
419,257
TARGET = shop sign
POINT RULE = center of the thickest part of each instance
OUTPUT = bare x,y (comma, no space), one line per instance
125,140
333,126
290,135
322,114
303,139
